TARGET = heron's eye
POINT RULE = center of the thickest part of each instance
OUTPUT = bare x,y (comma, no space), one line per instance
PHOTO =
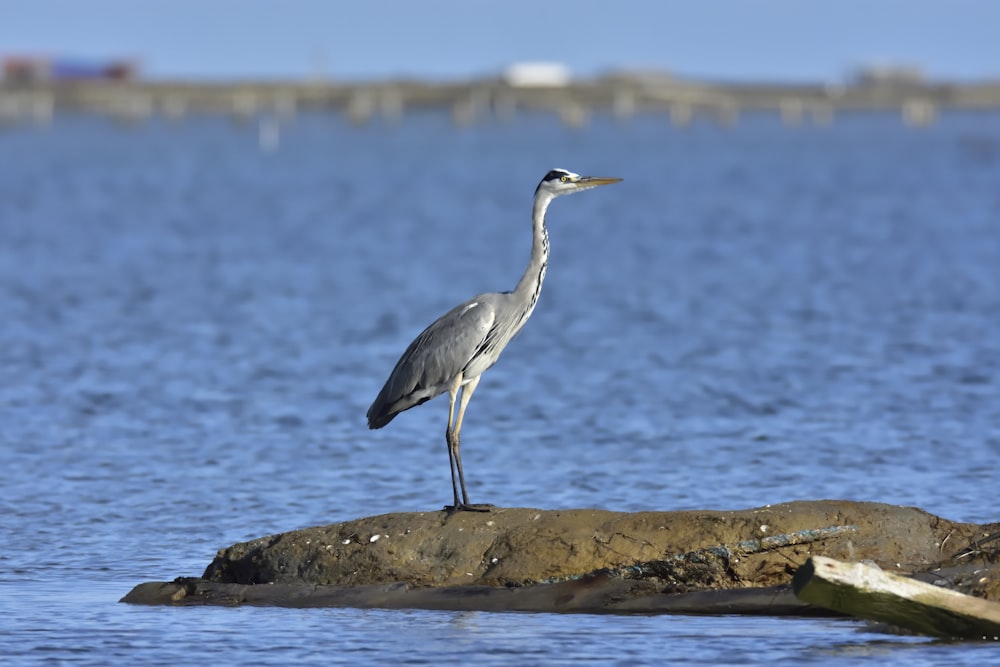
564,179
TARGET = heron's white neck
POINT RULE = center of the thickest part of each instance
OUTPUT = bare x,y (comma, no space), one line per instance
530,285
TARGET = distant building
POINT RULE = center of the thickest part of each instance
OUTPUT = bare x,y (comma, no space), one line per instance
25,70
537,75
889,75
30,69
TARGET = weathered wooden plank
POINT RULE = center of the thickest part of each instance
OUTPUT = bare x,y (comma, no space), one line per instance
866,591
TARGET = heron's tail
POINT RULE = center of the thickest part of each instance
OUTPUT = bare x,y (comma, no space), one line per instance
384,410
379,418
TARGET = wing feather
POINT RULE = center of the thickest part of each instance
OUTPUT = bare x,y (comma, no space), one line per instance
433,359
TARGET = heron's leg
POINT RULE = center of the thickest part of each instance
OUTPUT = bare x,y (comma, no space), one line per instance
467,392
450,436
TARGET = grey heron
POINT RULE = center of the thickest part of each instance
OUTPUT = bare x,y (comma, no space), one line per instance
453,352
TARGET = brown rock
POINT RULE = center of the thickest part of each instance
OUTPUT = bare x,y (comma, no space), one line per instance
599,560
510,546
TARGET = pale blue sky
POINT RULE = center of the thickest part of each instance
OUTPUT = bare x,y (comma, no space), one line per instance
735,39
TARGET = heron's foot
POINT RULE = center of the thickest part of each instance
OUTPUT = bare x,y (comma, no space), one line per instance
467,507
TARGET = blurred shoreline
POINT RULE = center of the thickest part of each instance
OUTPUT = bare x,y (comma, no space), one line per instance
917,101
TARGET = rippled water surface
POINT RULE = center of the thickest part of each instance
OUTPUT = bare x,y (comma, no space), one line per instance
192,327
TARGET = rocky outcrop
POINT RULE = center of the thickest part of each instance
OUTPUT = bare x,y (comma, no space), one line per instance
573,560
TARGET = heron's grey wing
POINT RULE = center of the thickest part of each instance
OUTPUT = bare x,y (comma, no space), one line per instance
433,359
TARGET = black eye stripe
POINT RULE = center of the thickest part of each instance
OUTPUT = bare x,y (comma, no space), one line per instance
554,175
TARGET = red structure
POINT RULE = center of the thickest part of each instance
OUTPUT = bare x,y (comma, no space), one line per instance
21,69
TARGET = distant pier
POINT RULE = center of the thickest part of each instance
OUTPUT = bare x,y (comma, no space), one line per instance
679,101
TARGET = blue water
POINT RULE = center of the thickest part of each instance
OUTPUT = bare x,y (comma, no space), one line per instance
193,323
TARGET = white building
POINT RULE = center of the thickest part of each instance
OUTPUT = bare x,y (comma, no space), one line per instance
537,75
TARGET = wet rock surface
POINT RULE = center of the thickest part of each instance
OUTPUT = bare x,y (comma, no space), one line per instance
585,560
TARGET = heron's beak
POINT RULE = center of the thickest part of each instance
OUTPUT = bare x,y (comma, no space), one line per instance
594,181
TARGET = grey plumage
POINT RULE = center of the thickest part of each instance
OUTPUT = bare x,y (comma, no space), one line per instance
453,352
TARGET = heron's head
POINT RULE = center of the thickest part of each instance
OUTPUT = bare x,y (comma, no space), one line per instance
561,182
